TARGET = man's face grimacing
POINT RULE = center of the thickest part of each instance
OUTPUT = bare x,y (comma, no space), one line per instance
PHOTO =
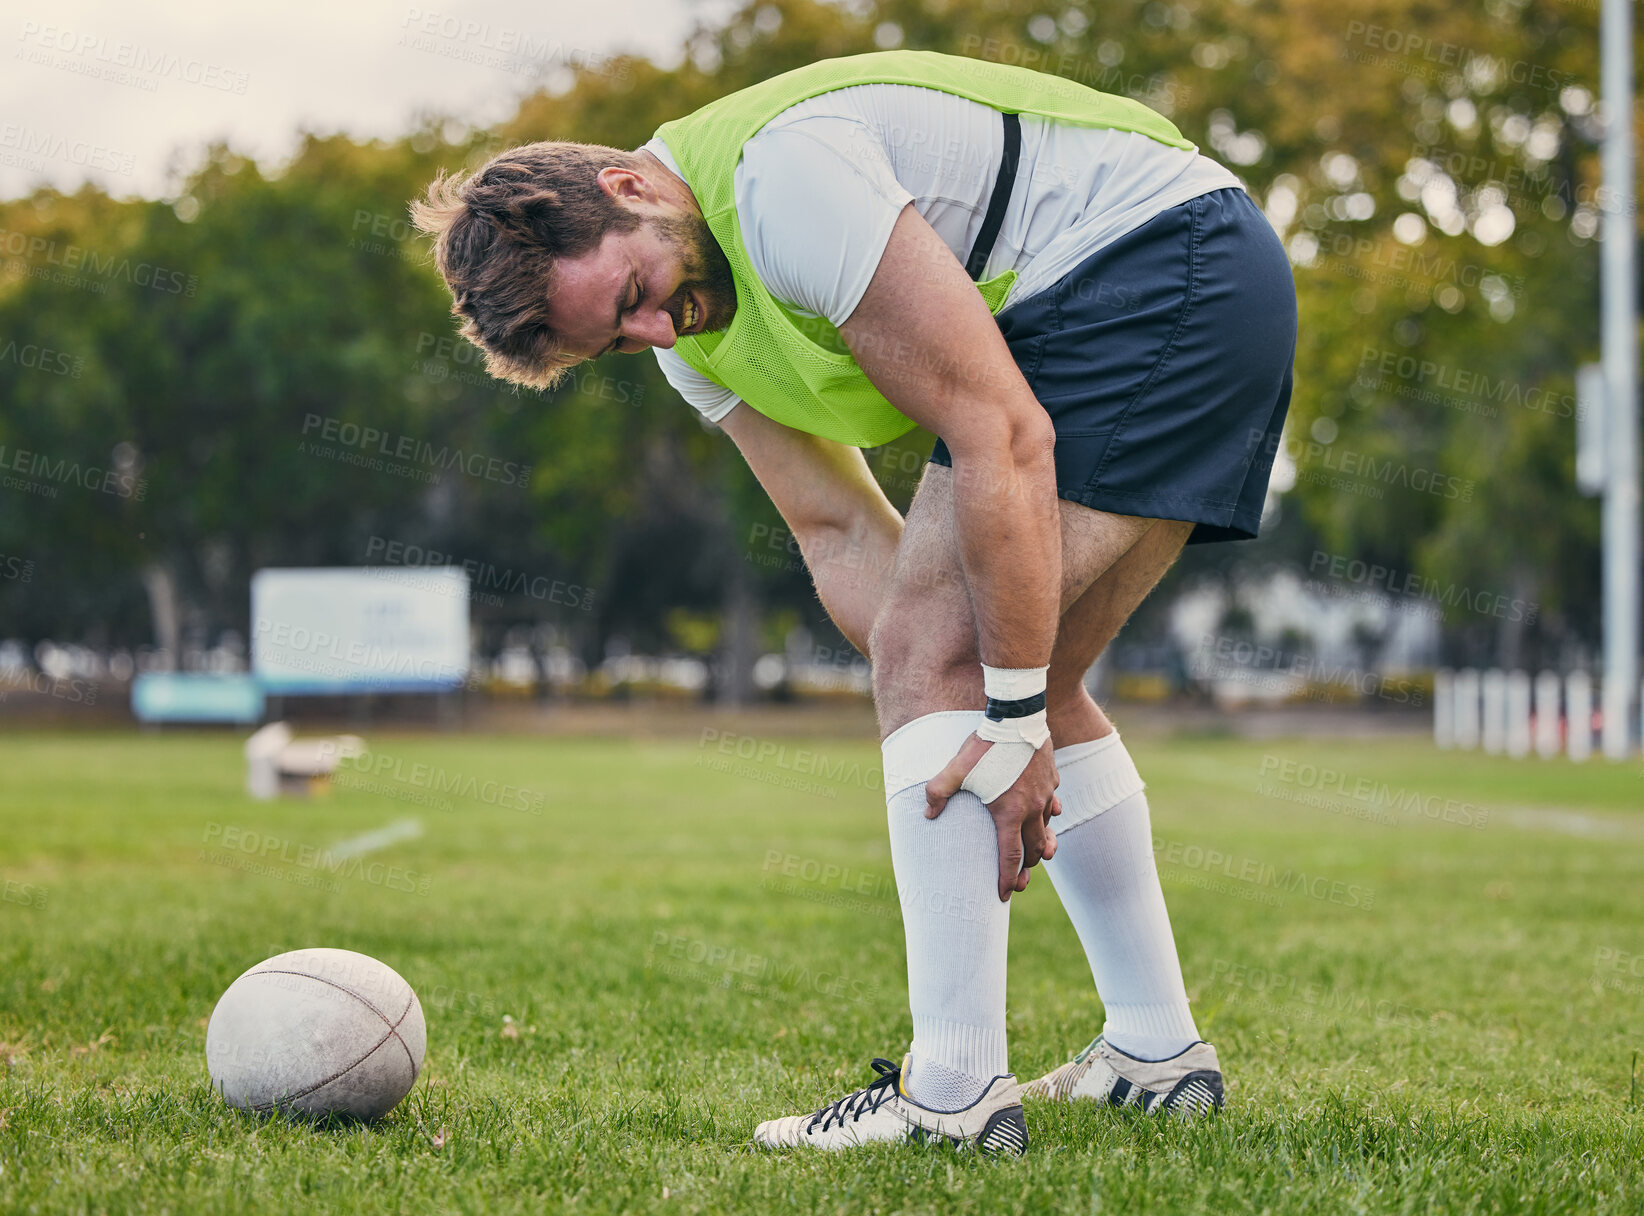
647,287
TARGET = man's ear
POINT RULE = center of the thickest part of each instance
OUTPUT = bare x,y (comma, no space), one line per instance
626,185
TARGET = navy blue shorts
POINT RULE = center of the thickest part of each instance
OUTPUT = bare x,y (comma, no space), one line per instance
1164,362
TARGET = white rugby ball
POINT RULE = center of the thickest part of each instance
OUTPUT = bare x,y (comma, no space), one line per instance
316,1032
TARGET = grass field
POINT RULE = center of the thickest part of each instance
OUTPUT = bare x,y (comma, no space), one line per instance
1422,972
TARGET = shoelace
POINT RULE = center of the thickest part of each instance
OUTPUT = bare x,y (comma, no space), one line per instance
863,1101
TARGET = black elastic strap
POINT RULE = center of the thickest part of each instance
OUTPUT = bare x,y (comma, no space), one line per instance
998,710
995,218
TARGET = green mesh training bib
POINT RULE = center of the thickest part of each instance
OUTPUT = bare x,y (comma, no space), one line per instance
797,370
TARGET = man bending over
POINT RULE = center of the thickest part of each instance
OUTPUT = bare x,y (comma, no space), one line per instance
1098,324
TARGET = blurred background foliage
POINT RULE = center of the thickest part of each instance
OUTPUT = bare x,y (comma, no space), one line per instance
1431,168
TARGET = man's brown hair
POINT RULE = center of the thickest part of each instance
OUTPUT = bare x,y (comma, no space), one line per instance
499,236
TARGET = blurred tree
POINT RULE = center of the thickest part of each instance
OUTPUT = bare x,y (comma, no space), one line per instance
1430,169
1432,174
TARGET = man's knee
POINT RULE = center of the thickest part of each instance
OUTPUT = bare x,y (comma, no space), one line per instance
917,651
1064,685
1069,708
902,640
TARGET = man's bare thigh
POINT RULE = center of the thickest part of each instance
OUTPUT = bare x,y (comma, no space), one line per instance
928,564
927,620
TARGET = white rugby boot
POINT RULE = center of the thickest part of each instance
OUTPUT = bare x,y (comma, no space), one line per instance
883,1111
1188,1083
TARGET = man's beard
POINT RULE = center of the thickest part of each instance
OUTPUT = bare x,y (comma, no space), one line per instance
706,270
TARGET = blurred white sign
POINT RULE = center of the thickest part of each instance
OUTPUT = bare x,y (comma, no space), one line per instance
371,629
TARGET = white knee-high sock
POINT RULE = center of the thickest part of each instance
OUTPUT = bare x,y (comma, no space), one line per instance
1105,874
957,929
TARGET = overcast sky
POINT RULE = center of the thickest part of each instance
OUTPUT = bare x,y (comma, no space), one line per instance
126,93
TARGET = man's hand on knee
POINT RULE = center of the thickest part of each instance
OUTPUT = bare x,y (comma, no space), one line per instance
1021,814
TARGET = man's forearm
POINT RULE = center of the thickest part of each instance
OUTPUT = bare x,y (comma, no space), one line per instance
1009,535
851,568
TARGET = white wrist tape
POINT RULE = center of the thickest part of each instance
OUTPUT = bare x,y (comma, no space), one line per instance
1031,730
1015,740
1013,683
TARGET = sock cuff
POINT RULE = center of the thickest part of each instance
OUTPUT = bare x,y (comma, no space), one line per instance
1096,782
917,751
1163,1027
978,1052
1079,751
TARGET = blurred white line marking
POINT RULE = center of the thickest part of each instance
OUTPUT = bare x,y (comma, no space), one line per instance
359,846
1571,823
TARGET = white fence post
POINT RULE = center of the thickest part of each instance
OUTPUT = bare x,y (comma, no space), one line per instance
1518,713
1578,690
1444,709
1615,740
1494,689
1466,708
1549,739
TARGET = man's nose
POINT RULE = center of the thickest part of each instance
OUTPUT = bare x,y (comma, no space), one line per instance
655,328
